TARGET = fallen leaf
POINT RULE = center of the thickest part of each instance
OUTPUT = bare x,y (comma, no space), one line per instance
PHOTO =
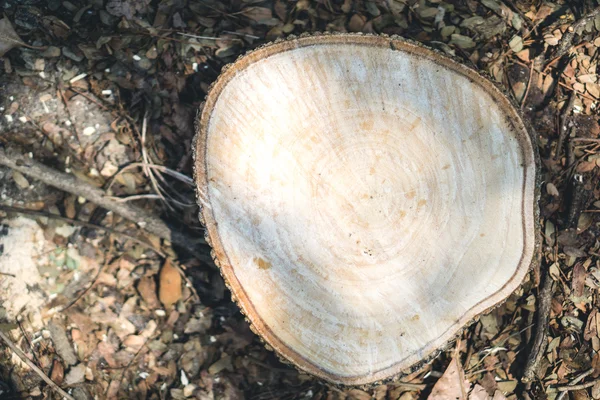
498,396
578,281
170,284
516,44
147,289
8,37
452,385
258,14
58,372
133,343
478,393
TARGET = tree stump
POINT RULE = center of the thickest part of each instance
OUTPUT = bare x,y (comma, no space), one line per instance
365,198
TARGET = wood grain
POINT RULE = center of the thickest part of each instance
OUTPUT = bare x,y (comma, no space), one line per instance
365,198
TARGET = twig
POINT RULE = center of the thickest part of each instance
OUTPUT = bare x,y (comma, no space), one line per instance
566,41
539,342
574,381
577,387
528,85
34,367
25,211
71,184
7,274
586,140
207,37
562,129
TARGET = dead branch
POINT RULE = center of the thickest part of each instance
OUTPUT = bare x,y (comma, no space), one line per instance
34,367
564,122
71,184
568,388
576,380
566,42
25,211
539,342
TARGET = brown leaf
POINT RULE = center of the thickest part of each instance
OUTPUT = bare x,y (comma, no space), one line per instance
133,343
280,10
147,289
478,393
170,284
452,385
356,23
58,372
258,14
591,329
8,37
357,394
578,283
499,396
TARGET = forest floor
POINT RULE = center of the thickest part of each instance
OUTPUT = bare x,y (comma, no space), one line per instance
107,91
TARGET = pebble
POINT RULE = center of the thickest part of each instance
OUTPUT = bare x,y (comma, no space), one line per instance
89,131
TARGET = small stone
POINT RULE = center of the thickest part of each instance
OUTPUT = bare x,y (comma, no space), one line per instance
89,131
40,64
20,180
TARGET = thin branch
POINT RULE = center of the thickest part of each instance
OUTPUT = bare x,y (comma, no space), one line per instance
577,387
574,381
71,184
563,128
35,213
540,340
34,367
528,85
566,42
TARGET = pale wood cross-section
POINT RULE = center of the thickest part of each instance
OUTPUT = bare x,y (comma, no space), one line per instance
365,198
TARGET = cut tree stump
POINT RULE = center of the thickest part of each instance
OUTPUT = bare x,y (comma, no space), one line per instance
365,198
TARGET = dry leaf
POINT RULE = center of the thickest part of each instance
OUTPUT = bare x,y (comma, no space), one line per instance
258,14
8,37
478,393
170,284
578,282
58,372
147,289
452,385
499,396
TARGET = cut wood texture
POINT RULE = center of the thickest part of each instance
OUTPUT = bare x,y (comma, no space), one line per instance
365,198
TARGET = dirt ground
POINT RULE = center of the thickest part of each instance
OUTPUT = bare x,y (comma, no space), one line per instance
107,91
